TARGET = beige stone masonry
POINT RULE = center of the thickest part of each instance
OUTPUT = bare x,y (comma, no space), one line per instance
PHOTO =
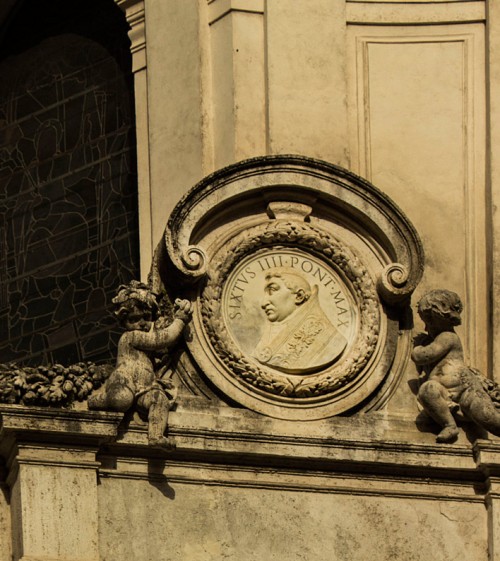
238,67
306,83
487,456
417,106
51,457
394,91
394,12
178,102
5,522
493,85
79,487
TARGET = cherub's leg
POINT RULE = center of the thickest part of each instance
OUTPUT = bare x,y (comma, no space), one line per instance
120,398
477,405
114,396
159,406
98,400
433,397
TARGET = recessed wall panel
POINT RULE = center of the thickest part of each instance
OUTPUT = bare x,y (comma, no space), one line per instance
418,133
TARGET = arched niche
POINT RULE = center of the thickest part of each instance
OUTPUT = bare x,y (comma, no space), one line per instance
68,188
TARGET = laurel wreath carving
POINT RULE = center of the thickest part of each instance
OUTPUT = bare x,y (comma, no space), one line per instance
278,234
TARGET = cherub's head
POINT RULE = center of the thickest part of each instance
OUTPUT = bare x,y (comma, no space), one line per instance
441,307
135,306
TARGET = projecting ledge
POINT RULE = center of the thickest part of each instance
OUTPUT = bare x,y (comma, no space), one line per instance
377,442
48,422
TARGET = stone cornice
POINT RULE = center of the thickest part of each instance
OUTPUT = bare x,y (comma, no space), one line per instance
218,9
380,447
487,457
374,443
135,14
61,424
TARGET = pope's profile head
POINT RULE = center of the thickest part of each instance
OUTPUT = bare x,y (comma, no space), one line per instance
284,291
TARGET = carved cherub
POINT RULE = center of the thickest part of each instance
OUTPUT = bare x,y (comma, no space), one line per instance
448,386
134,379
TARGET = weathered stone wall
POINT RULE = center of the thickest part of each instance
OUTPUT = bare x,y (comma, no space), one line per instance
240,486
5,521
396,92
261,519
402,93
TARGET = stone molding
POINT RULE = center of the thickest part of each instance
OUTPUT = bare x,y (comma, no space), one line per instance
374,12
334,184
19,418
487,454
218,9
377,456
358,440
208,452
135,14
136,17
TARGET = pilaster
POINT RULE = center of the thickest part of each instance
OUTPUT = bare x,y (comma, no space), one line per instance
493,171
135,13
487,454
239,79
52,478
305,46
5,522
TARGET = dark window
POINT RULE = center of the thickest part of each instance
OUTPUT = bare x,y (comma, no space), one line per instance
68,189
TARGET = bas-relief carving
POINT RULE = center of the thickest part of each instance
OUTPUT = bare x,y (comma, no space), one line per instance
289,319
289,310
55,385
323,327
449,389
298,336
141,376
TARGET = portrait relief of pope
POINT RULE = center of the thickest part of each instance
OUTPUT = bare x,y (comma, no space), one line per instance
298,336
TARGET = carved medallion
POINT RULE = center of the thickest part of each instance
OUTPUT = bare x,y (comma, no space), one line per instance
289,310
301,274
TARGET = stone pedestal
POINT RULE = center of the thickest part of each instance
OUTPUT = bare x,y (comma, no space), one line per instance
51,458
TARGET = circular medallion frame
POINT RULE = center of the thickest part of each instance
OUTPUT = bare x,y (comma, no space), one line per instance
333,384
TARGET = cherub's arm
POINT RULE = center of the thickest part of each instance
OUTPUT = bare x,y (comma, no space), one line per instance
439,348
157,339
163,339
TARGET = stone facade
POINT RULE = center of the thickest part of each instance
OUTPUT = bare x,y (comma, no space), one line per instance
333,143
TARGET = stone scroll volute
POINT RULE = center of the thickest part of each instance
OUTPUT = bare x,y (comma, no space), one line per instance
294,265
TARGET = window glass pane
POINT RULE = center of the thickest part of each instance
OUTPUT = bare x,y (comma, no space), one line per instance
68,199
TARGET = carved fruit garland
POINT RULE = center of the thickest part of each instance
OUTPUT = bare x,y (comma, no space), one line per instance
55,385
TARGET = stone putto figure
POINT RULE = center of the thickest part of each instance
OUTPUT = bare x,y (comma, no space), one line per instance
135,379
447,386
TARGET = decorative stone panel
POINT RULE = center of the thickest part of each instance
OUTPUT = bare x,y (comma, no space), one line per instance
301,274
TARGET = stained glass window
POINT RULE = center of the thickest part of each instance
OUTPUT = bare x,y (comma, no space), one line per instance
68,195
